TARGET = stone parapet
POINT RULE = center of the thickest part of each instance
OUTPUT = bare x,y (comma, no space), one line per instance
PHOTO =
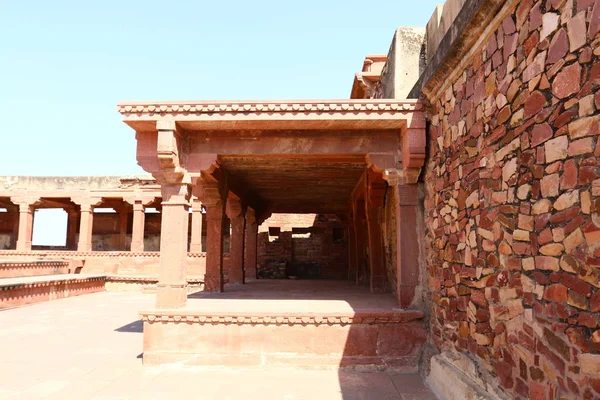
16,292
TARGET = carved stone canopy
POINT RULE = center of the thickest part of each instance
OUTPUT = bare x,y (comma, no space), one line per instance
281,156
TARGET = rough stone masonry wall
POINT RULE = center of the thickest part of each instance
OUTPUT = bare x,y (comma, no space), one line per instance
513,203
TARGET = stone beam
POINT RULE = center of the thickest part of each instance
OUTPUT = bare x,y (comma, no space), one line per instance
320,115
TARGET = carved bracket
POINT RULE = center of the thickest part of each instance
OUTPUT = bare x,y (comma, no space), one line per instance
168,146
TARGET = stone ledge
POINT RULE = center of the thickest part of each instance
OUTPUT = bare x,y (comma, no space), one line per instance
146,279
40,281
83,254
292,318
32,263
294,106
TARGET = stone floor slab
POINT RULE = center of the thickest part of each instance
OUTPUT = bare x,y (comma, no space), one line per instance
89,347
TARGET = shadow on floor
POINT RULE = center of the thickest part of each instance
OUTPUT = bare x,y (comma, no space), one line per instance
133,327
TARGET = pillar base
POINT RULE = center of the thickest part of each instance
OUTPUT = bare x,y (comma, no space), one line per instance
379,284
235,276
171,295
195,248
213,283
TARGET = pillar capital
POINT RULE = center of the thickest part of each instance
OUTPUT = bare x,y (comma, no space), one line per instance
234,208
250,215
177,194
86,203
168,145
138,199
24,202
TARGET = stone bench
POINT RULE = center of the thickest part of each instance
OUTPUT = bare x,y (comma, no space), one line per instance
23,268
16,292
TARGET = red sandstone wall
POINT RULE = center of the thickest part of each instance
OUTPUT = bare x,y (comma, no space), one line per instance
8,225
316,247
513,203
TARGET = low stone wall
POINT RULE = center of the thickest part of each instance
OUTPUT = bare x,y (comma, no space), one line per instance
17,294
14,269
363,341
110,262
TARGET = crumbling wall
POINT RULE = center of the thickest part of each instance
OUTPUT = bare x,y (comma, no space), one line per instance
513,200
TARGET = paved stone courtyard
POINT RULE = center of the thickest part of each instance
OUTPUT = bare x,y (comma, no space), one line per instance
89,347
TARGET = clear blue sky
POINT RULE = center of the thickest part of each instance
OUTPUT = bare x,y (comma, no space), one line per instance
65,65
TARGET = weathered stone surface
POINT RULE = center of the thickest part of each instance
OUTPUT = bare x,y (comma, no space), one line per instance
585,127
546,263
567,81
540,134
556,149
577,31
549,185
536,235
559,46
567,200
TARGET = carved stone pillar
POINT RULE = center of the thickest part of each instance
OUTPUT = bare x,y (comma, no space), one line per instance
196,239
172,286
72,221
138,226
250,243
407,246
378,276
123,217
25,231
360,240
352,269
86,223
215,213
235,213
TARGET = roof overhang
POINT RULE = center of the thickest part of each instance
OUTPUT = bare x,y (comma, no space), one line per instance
280,115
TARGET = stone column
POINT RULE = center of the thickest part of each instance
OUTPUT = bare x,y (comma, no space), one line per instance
72,229
25,225
360,242
235,213
171,290
215,213
196,240
137,230
86,224
123,214
250,243
378,277
351,250
407,246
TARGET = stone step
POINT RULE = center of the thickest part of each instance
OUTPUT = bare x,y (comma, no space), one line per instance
24,268
16,292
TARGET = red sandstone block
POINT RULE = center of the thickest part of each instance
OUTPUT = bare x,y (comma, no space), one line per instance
556,292
588,319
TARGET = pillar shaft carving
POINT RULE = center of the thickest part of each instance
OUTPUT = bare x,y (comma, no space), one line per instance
378,281
407,245
196,237
360,239
138,227
236,214
250,243
25,230
171,287
213,198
